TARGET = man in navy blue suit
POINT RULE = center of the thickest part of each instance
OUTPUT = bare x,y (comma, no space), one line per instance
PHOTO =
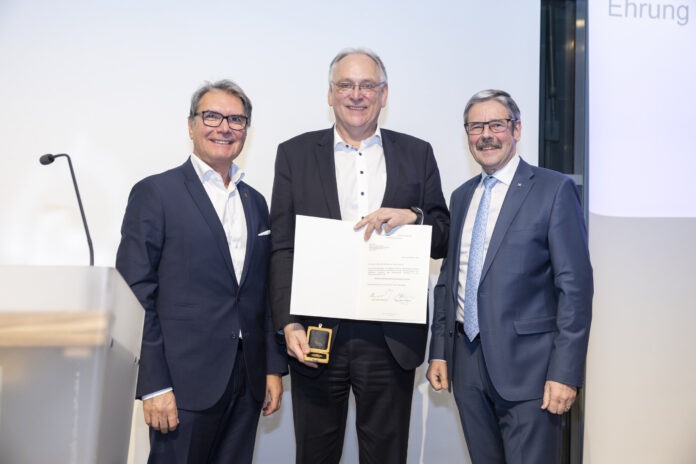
514,300
195,247
355,171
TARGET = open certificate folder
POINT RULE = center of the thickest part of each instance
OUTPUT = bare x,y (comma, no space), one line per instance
337,274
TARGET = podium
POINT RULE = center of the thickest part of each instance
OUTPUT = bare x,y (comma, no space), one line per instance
69,350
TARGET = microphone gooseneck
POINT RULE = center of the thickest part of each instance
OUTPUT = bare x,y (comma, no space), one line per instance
48,159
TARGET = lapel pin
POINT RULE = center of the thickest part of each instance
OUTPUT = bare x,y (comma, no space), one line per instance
519,184
246,195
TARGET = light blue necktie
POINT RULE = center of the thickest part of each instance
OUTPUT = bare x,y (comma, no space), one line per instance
475,264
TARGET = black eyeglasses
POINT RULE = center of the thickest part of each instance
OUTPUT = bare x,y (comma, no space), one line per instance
495,125
214,119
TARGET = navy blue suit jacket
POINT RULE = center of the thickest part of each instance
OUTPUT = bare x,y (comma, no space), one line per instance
175,257
535,292
305,183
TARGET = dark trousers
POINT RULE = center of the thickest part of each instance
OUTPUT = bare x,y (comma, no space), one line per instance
360,360
224,433
496,430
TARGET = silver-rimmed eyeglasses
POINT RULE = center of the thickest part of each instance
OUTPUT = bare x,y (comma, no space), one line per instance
367,87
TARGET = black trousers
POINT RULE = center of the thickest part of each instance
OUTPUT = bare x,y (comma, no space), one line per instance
361,361
224,433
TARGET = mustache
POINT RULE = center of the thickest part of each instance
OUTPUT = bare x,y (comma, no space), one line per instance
487,143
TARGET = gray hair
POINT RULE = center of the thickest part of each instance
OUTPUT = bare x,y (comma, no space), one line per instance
500,96
357,51
224,85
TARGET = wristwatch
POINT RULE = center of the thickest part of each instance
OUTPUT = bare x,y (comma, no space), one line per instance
419,214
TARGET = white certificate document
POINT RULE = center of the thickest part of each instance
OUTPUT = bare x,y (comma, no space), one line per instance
337,274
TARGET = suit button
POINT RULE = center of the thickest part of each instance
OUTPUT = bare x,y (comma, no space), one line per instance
238,298
450,332
234,336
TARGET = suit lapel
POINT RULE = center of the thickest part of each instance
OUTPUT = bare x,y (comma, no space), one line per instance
390,159
202,201
520,186
324,155
251,220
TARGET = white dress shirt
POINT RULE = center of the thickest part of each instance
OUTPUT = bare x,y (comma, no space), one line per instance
498,193
228,206
361,176
229,209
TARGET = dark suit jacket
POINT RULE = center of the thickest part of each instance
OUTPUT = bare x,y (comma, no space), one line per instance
175,257
305,183
535,293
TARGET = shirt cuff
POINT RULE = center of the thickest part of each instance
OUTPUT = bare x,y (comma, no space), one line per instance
157,393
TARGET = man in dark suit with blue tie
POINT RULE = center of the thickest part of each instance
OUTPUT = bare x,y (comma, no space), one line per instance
514,300
195,247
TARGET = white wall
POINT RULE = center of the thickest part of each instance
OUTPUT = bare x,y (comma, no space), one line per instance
640,403
110,83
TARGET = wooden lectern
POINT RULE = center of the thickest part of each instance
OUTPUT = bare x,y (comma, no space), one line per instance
69,350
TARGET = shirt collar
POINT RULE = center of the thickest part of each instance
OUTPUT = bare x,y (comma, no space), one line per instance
374,139
507,172
205,172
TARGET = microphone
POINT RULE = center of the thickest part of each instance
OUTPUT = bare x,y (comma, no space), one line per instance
48,159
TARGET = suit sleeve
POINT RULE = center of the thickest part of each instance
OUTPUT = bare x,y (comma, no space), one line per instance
438,327
441,305
276,356
574,285
282,241
435,212
137,259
